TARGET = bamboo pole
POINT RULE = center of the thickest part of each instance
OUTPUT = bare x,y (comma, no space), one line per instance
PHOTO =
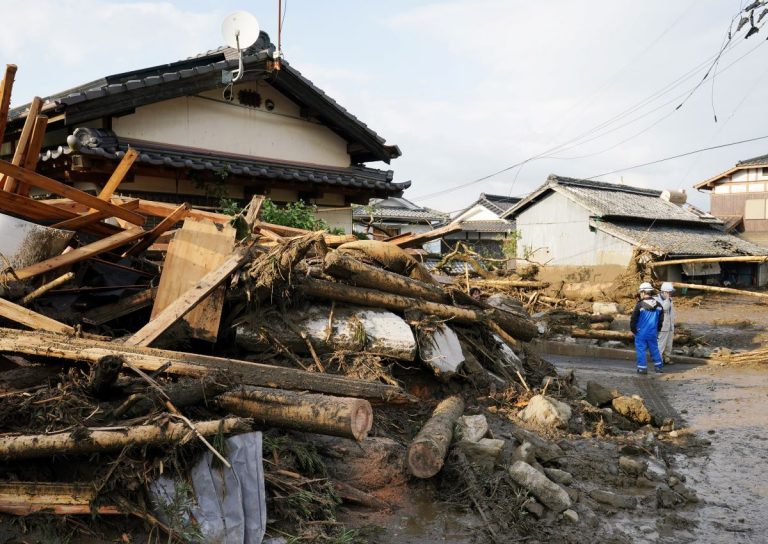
739,259
64,278
427,452
725,290
322,414
44,445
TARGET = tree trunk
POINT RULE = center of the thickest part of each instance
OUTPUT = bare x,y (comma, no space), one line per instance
32,446
427,452
517,327
190,364
321,414
183,393
517,284
739,259
103,375
22,498
351,270
714,289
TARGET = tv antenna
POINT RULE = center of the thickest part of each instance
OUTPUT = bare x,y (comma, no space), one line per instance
240,30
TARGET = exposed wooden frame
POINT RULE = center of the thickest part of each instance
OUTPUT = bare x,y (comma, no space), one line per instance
33,320
6,86
8,182
76,223
32,155
177,215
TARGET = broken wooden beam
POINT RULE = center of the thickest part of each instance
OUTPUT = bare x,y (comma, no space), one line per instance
345,267
80,254
32,153
8,182
701,260
714,289
118,175
174,217
34,179
40,291
321,414
427,452
124,306
186,302
89,218
33,320
413,240
66,348
518,327
6,87
84,440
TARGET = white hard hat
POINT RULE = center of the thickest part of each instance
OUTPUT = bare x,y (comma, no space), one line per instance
645,286
667,286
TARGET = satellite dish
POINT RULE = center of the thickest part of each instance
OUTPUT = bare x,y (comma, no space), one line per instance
240,30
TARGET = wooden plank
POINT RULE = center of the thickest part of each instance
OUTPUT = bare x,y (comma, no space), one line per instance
163,209
6,86
76,223
119,174
32,155
123,307
254,209
9,184
424,237
177,215
187,301
33,320
198,248
22,498
81,253
37,180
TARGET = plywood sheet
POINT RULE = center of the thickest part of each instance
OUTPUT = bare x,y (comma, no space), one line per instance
198,247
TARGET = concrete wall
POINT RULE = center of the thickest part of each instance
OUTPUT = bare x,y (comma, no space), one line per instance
208,121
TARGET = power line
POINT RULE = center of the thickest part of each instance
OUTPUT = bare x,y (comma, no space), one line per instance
678,156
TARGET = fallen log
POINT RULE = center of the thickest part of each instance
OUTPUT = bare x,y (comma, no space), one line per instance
104,374
22,498
326,290
190,364
182,393
45,445
739,259
427,452
321,414
517,284
351,270
713,289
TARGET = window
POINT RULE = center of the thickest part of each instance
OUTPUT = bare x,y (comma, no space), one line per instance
754,209
765,172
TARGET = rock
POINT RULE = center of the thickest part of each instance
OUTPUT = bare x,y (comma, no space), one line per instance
666,498
615,344
673,481
570,516
633,467
599,395
482,454
656,471
674,434
545,490
470,428
525,452
689,494
440,349
613,499
534,508
606,308
632,408
546,411
573,494
559,476
544,450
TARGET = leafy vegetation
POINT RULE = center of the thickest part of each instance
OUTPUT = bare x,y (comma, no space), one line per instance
295,214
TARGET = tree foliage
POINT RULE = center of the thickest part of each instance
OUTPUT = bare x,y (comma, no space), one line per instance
294,214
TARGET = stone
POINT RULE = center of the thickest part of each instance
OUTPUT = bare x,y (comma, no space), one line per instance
633,409
546,411
614,344
573,494
570,516
656,470
613,499
559,476
631,466
689,494
482,454
673,481
534,508
599,395
674,434
545,490
470,428
544,450
667,498
605,308
525,452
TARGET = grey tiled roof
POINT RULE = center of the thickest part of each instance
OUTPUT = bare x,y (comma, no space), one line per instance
141,85
424,214
610,200
762,160
682,240
105,144
496,203
487,226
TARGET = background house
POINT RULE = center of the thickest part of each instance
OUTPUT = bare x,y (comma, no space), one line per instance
482,226
586,232
739,196
272,133
383,218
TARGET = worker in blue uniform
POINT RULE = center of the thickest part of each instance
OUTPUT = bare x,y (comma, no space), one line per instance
645,323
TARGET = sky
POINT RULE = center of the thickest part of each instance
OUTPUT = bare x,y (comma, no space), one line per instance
465,88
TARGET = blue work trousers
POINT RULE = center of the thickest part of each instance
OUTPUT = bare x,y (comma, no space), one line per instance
647,343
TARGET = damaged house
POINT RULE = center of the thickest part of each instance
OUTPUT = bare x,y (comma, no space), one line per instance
272,133
588,232
739,196
482,226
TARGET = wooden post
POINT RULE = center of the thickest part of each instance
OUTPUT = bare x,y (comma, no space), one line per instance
322,414
118,175
427,452
6,86
195,365
45,445
174,217
9,183
32,155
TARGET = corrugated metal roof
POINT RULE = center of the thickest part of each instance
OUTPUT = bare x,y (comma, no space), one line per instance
682,240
